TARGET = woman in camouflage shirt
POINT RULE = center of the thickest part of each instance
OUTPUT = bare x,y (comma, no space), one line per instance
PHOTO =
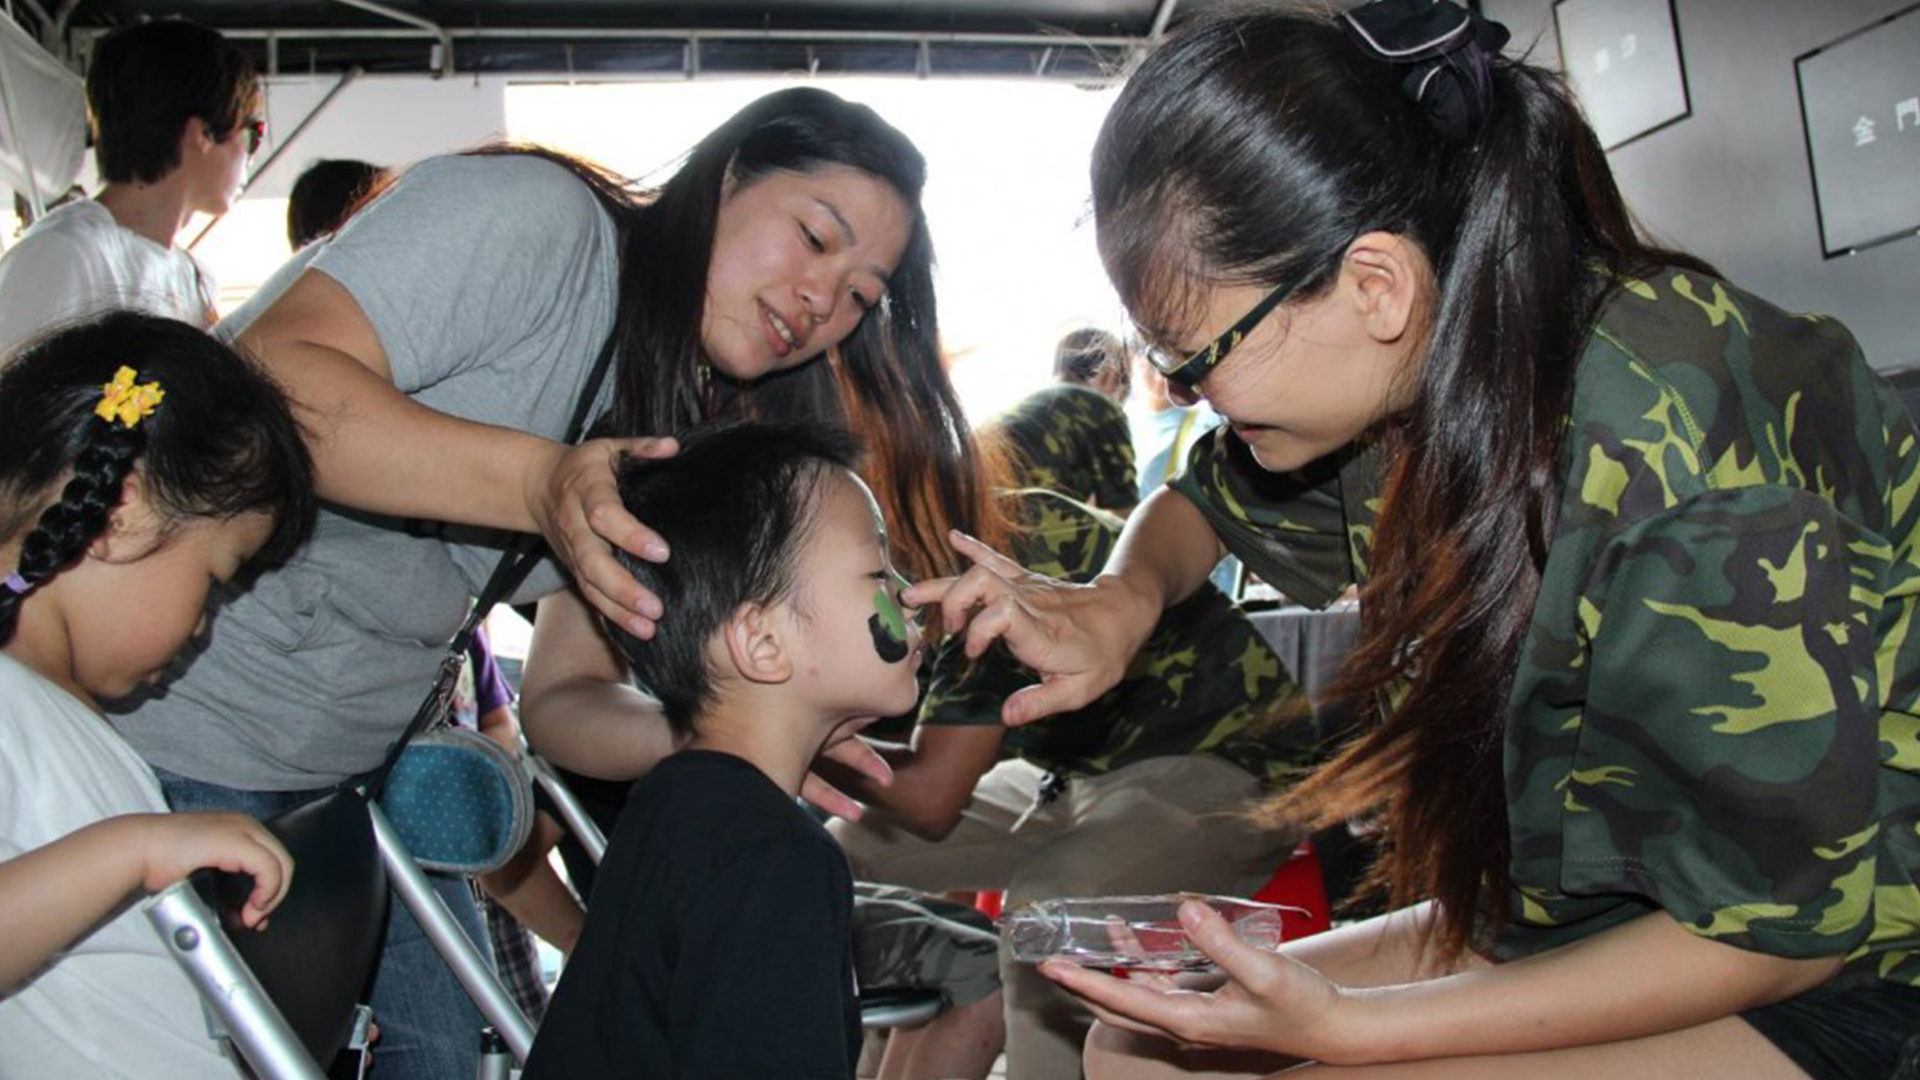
1637,553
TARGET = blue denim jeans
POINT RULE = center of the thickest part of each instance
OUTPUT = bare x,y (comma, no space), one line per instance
429,1028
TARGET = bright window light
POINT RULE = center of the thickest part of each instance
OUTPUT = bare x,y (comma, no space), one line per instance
245,249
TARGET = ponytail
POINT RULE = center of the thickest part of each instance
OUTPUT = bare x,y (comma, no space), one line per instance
1469,501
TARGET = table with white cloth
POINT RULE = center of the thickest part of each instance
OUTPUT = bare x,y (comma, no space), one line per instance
1312,644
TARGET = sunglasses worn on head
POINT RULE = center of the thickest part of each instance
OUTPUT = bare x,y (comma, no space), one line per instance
1188,370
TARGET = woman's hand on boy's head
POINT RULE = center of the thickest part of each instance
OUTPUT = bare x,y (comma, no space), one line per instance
175,845
576,504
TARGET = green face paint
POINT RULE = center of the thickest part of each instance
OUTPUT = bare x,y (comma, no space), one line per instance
888,624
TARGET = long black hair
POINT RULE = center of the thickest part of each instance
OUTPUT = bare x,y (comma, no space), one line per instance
1253,149
886,380
221,443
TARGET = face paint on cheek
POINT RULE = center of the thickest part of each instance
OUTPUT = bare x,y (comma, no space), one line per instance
888,624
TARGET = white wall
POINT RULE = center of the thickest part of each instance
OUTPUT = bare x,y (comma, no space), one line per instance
1732,183
388,120
46,100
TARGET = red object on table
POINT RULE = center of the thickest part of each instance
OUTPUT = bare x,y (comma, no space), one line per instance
1296,883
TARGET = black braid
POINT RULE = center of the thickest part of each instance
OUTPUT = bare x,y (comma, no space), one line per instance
77,520
9,610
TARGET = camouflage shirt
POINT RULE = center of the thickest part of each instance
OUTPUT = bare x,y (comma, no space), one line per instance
1074,441
1205,682
1715,713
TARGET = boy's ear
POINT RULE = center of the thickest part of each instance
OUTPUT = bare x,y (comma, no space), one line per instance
133,529
756,645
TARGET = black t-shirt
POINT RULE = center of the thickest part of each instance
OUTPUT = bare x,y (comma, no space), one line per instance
717,941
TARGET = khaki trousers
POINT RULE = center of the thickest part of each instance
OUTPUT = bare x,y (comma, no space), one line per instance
1162,825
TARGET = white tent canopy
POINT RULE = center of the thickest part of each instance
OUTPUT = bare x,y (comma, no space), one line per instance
43,127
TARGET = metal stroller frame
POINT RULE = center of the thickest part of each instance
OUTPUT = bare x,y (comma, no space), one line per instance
248,1018
240,1009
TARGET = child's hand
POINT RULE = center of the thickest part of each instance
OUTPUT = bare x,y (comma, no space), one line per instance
175,845
857,754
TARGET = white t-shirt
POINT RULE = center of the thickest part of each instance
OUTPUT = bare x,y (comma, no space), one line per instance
115,1004
78,261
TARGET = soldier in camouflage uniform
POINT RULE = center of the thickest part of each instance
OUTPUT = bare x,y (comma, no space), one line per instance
1074,437
1698,514
1134,793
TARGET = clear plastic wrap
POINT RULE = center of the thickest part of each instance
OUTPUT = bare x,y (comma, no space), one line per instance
1141,932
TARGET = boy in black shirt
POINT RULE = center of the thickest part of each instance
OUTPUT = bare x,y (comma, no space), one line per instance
717,940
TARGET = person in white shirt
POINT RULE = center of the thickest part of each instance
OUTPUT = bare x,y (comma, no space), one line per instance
176,114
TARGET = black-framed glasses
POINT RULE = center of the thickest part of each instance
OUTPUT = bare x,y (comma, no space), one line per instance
256,130
1188,370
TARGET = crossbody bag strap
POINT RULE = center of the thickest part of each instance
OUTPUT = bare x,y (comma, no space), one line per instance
522,554
526,549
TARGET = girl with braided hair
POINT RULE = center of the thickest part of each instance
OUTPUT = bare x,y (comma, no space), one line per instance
142,464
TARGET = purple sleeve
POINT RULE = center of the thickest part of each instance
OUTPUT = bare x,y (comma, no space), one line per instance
490,689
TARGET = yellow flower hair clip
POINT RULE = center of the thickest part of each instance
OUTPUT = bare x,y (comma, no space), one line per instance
127,402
